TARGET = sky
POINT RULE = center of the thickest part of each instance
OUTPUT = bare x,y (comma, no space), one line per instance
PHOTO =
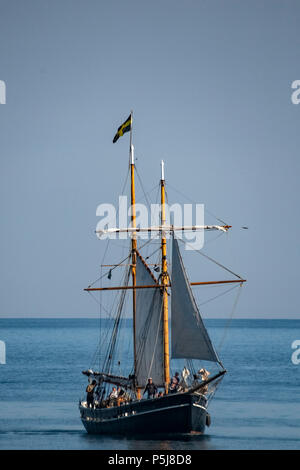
210,86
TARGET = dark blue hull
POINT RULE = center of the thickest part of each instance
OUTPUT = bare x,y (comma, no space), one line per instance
174,413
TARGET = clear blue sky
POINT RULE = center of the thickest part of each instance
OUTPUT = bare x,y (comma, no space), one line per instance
210,86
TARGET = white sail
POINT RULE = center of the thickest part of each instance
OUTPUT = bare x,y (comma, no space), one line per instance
189,336
149,329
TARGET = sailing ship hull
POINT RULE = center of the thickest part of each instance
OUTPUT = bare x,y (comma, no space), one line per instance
174,413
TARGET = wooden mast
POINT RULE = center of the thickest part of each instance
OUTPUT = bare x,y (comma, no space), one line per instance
133,245
165,283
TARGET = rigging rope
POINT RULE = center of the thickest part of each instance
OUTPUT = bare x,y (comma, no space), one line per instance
217,296
142,186
189,199
104,336
111,350
153,253
213,390
230,318
156,339
210,259
98,302
116,265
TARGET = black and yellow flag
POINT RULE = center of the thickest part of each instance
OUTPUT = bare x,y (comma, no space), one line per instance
125,127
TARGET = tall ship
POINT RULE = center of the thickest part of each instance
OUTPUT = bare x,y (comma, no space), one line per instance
151,394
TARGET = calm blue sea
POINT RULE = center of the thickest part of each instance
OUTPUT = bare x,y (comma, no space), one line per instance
257,406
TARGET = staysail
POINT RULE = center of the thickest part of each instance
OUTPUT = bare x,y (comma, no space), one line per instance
149,328
189,336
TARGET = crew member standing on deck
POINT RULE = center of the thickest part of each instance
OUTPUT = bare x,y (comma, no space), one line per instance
90,393
204,376
174,383
151,389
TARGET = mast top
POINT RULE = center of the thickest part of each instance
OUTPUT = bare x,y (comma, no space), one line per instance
162,170
132,154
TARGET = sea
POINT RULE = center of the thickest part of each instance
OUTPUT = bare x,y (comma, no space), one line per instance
256,406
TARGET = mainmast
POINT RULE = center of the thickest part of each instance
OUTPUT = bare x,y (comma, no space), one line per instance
133,244
165,283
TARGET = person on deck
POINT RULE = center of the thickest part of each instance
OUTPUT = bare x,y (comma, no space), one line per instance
90,393
121,395
113,394
113,397
204,376
151,389
174,383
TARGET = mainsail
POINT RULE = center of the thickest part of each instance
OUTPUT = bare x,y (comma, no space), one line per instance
189,336
149,328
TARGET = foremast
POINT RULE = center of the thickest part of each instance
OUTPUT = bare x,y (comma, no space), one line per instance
133,247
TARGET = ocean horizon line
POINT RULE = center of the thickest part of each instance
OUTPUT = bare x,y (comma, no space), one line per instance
94,317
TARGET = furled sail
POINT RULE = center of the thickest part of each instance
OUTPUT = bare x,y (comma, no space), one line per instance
189,336
149,328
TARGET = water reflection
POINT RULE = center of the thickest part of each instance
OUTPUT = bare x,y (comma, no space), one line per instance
161,442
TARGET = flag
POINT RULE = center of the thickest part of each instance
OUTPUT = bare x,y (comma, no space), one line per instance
125,127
